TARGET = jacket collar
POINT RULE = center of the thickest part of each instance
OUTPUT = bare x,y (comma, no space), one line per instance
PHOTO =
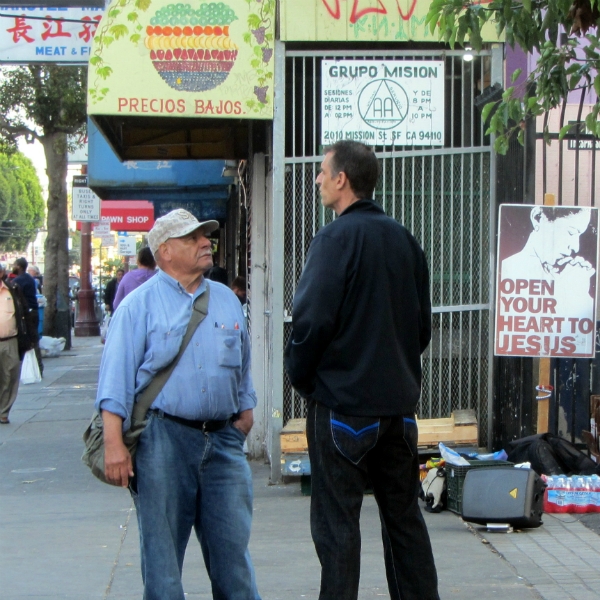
362,206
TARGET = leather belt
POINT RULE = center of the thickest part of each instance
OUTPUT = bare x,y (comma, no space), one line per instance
208,426
12,337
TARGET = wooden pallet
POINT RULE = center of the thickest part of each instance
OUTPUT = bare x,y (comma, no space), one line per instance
458,429
293,437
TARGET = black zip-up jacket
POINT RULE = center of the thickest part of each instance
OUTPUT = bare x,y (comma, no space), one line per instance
20,304
362,316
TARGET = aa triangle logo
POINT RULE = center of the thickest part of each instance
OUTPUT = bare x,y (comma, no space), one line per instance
513,493
383,104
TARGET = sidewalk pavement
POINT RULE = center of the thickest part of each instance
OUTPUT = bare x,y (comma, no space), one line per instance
66,536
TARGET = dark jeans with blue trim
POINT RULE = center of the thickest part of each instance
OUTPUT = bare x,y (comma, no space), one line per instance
346,455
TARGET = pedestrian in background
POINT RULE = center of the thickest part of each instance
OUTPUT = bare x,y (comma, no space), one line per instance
133,279
238,285
190,468
14,342
34,271
28,286
110,291
218,274
361,319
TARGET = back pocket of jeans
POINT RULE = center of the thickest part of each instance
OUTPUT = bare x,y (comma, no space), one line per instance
411,434
354,436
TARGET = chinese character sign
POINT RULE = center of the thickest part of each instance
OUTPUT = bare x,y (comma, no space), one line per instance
54,35
546,284
383,103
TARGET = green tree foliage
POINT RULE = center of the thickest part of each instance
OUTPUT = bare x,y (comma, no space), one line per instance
534,26
111,266
47,103
21,202
75,251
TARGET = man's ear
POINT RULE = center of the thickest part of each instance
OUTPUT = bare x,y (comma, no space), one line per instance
341,180
163,252
536,217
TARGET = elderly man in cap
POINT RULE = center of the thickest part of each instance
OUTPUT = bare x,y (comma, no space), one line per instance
190,469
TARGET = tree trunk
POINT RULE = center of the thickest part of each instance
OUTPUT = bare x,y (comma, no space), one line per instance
57,318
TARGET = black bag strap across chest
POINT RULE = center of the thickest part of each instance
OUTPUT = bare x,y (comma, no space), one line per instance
147,397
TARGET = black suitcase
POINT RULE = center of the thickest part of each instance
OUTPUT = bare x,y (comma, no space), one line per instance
503,495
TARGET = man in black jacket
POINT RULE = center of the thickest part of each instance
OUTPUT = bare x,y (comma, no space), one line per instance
110,291
14,342
28,286
361,319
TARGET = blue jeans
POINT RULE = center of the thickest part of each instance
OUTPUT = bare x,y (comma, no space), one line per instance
346,455
187,478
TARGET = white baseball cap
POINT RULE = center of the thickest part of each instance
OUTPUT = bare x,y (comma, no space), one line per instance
176,224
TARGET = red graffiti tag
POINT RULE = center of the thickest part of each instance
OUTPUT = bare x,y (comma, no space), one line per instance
357,15
358,12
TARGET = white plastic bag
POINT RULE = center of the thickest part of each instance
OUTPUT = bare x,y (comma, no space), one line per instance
104,329
452,457
30,370
51,347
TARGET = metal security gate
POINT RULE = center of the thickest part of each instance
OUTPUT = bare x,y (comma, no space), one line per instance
444,196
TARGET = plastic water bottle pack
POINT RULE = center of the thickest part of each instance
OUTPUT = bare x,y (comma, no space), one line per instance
575,494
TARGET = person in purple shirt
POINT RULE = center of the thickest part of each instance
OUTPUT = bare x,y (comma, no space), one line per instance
133,279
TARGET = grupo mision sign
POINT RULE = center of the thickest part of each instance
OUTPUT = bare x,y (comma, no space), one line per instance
379,103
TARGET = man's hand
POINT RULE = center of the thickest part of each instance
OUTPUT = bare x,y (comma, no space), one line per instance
572,286
118,467
245,421
575,276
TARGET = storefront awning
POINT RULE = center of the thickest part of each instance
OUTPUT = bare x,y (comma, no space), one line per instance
150,179
147,138
183,81
196,185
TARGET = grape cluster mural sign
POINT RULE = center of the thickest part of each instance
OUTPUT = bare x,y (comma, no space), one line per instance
383,102
185,59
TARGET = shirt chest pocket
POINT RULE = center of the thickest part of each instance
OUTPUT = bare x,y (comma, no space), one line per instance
229,347
164,344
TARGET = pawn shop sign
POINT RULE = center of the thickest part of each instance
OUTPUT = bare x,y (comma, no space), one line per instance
127,215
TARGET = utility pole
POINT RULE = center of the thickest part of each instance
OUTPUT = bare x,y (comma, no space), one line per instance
86,324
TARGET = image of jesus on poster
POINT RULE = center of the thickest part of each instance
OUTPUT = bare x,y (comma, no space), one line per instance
547,281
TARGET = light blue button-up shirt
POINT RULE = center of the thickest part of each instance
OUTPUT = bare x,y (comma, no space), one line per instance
212,379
